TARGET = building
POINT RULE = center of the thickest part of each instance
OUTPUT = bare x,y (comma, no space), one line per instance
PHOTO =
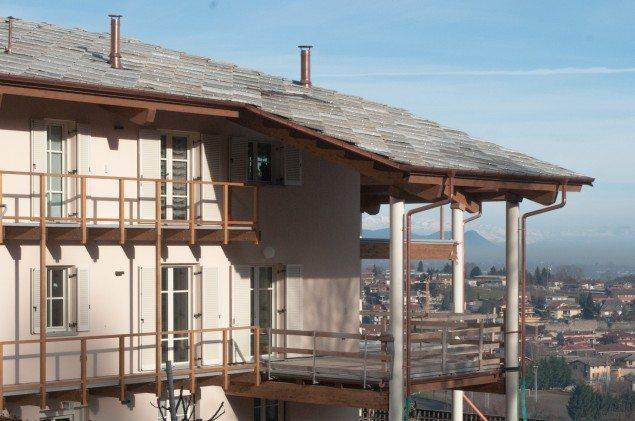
493,281
594,371
162,207
563,310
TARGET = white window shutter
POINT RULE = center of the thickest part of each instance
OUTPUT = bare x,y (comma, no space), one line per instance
39,137
295,297
83,148
82,294
149,167
211,170
241,312
147,321
35,301
238,159
210,309
292,166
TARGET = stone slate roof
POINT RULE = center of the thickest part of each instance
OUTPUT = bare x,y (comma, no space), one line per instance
46,51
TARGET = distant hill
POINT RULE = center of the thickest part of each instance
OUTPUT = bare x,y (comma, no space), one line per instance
608,252
477,248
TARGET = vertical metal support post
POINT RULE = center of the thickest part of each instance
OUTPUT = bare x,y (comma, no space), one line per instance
122,367
314,358
83,209
458,291
396,385
480,346
84,372
257,356
511,312
225,361
122,227
157,292
365,362
43,281
444,349
441,223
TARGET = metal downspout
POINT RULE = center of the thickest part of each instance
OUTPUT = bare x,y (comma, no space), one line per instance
523,267
408,229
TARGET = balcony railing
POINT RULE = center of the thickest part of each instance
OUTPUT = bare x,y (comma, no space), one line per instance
125,374
125,202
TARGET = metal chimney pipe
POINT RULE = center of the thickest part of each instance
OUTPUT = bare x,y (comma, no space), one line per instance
305,64
9,35
115,42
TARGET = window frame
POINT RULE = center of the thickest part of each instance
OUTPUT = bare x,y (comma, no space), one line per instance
65,328
252,162
167,189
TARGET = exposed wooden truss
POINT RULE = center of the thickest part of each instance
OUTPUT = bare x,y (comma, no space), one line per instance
420,250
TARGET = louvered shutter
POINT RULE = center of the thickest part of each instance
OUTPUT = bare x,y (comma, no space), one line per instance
39,136
241,312
35,301
82,167
147,317
149,167
83,148
292,166
295,304
82,294
238,162
210,309
211,170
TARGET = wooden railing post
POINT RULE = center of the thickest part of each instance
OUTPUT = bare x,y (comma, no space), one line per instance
257,356
225,361
157,291
122,227
314,357
83,209
225,214
1,378
43,281
192,213
122,368
84,373
2,211
255,209
192,363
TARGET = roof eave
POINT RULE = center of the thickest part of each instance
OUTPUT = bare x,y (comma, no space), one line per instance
48,84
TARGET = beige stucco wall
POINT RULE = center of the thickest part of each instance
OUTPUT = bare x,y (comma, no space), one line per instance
316,225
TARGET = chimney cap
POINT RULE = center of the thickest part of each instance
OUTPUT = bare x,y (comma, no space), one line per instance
115,16
305,47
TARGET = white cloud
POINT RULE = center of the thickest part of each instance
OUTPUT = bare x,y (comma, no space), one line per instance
521,72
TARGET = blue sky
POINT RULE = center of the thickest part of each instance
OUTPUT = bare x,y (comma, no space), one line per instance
553,79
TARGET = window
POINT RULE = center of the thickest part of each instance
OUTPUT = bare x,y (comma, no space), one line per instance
57,300
262,301
259,162
175,312
55,164
266,410
175,166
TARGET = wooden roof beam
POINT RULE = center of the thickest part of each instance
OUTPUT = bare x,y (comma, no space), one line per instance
118,102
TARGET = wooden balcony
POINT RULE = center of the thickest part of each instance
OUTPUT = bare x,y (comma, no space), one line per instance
107,209
347,369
